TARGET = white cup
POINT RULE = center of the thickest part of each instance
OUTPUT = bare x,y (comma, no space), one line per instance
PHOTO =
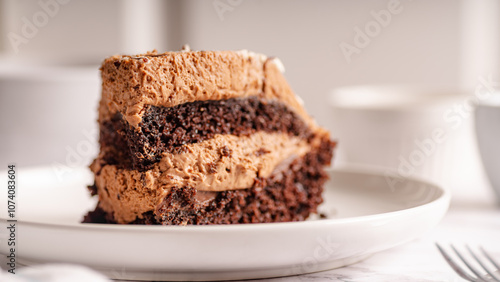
488,138
48,115
410,130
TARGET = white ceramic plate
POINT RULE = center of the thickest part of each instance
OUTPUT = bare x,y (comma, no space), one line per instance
368,213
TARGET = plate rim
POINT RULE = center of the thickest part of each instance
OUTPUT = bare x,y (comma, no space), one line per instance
443,199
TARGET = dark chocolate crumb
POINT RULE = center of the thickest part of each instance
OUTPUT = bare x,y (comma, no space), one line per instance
261,152
93,189
212,168
226,152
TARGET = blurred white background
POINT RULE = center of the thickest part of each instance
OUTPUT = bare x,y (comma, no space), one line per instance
50,52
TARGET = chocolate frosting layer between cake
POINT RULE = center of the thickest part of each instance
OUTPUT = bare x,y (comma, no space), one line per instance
225,162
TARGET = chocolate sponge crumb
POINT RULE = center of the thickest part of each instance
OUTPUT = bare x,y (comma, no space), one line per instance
167,129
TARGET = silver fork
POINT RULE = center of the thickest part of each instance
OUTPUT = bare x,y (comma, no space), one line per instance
486,274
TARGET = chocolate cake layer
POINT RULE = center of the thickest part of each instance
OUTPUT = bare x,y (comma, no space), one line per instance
289,194
204,137
167,129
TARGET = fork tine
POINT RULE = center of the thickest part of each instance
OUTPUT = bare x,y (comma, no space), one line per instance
492,262
490,258
473,269
455,266
482,264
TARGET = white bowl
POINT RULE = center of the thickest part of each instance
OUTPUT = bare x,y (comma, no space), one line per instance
48,115
412,130
488,138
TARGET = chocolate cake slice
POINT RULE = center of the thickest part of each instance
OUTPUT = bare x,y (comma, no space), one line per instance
206,137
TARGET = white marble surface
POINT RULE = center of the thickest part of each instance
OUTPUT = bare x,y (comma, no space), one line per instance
473,218
475,224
